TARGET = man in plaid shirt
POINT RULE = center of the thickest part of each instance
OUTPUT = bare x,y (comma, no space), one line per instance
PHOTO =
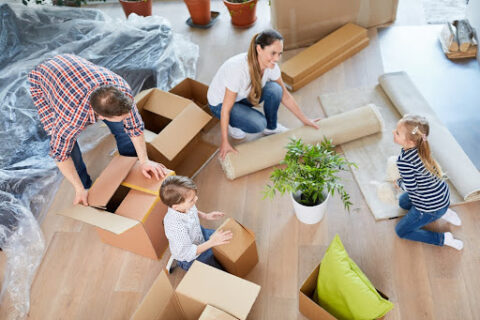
71,93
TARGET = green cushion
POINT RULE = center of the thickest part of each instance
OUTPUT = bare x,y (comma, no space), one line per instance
343,289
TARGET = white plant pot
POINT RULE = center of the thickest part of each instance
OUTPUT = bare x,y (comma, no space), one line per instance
309,214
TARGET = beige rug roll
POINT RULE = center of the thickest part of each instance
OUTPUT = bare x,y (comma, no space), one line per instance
269,151
455,163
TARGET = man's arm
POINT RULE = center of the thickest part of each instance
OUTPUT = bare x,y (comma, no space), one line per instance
67,168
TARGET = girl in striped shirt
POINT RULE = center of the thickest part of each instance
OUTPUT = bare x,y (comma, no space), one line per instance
427,195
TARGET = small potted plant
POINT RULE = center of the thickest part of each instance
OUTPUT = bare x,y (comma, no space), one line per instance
242,12
310,176
199,11
140,7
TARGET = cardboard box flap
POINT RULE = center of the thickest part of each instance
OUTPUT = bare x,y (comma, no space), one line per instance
171,140
193,90
159,303
141,98
165,104
137,205
136,180
102,219
212,313
325,49
109,180
220,289
242,239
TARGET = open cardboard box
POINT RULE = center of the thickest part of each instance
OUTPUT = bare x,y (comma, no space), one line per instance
125,208
202,285
173,128
239,256
310,308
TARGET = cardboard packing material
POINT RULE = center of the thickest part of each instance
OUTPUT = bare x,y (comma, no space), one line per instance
303,22
174,127
309,308
212,313
323,55
133,214
203,285
239,256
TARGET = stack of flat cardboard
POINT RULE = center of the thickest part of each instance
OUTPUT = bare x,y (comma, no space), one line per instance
174,123
323,55
239,256
125,208
202,285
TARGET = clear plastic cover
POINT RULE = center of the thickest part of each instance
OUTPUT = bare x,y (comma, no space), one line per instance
144,51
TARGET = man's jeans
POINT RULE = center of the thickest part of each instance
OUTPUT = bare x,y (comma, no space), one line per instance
250,120
124,145
205,257
410,227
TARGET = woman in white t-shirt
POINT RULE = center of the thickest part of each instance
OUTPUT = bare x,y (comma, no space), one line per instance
244,81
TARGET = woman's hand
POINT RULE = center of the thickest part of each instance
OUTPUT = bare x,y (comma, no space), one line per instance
311,123
225,148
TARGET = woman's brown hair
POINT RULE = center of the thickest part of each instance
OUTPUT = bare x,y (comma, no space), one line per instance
417,132
263,39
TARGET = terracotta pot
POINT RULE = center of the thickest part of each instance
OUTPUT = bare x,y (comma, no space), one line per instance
140,7
243,14
199,11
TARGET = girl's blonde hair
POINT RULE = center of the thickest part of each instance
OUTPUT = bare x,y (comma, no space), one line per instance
417,132
263,39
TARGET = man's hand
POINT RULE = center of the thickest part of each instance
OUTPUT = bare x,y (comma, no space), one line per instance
214,215
220,237
158,169
81,196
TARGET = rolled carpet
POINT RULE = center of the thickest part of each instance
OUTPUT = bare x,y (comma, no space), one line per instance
269,151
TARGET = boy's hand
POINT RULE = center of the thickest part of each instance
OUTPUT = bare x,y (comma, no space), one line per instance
221,237
214,215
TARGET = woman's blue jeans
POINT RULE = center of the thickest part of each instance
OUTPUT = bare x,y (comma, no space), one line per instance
250,120
124,145
205,257
410,227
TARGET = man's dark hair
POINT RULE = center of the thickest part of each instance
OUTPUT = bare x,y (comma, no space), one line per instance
108,101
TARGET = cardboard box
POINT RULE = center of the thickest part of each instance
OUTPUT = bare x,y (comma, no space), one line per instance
310,308
203,285
323,55
212,313
303,22
173,129
133,214
197,92
239,256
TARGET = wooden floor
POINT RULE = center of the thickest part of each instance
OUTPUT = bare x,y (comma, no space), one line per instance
82,278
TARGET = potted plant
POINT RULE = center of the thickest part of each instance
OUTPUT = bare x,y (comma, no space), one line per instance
140,7
310,176
199,11
243,12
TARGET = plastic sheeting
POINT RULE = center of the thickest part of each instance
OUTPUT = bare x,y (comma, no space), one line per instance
144,51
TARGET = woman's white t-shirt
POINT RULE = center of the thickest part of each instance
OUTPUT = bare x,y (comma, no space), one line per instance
234,75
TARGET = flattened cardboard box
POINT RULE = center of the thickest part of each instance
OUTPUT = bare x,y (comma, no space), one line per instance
212,313
239,256
173,126
309,308
302,22
323,55
133,214
203,285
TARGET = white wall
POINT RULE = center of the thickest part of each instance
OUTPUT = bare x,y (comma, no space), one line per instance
473,15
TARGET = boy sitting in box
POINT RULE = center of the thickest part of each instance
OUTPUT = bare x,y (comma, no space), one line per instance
188,240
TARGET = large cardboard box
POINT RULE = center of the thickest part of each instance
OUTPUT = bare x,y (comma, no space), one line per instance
239,256
125,208
212,313
310,308
174,127
303,22
203,285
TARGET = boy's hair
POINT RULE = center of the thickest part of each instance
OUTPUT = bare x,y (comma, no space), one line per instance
174,189
417,132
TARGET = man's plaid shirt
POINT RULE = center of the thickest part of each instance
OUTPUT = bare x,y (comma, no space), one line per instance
61,88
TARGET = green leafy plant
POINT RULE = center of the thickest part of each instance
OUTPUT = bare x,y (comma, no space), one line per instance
311,170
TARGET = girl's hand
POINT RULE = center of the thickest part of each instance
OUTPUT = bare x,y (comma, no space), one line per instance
311,123
214,215
220,237
225,148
